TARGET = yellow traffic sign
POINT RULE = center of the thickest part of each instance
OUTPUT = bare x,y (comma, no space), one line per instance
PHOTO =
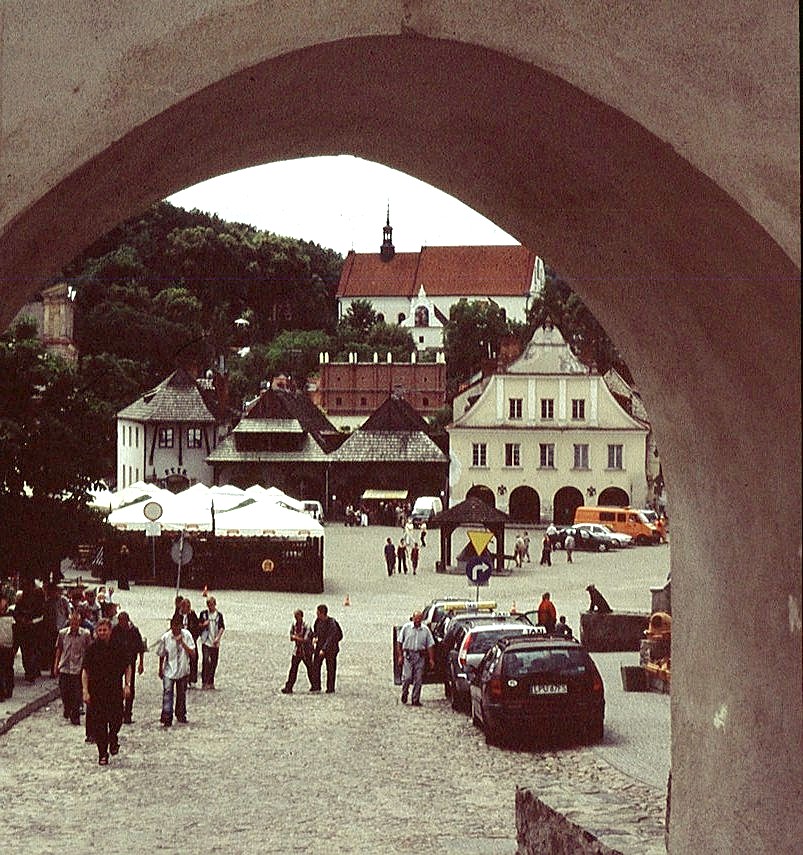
480,539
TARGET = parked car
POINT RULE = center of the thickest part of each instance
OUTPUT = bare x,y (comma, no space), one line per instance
476,639
435,613
627,520
537,686
618,538
313,508
584,540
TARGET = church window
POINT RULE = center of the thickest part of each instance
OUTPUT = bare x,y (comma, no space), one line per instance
422,316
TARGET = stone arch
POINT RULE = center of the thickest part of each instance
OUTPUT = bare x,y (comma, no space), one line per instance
628,179
566,500
480,491
613,496
524,505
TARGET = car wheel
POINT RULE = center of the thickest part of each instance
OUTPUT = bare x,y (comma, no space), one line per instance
602,547
641,540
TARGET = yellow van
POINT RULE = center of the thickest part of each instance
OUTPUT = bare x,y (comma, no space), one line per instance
626,520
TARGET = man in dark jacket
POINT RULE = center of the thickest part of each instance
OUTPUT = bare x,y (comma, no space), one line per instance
130,639
327,635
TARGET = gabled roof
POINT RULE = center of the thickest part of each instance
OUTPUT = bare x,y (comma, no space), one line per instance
278,410
547,353
444,271
176,399
395,414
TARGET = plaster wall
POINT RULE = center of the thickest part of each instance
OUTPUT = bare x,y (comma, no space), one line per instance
650,152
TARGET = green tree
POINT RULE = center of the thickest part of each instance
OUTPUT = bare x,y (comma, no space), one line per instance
48,456
471,336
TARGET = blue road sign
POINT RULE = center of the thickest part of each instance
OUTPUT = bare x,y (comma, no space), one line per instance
478,571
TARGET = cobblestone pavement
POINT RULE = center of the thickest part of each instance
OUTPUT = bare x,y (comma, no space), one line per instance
258,771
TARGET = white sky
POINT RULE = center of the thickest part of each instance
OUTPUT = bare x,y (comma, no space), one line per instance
341,203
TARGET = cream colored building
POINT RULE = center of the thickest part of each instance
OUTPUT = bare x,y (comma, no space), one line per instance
546,436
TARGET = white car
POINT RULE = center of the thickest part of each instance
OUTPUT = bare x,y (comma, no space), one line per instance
604,532
313,508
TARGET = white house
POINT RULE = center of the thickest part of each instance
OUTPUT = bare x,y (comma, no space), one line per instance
545,436
166,435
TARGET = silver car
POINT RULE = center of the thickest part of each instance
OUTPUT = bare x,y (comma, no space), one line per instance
465,656
618,538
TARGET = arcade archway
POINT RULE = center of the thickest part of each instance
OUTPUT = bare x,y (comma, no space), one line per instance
615,496
486,494
564,504
524,505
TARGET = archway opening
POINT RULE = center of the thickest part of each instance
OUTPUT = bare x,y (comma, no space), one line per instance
565,503
525,505
614,496
485,494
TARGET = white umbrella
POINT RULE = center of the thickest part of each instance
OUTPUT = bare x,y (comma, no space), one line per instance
276,495
266,519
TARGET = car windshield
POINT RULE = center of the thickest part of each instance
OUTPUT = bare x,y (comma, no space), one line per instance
565,660
482,642
650,516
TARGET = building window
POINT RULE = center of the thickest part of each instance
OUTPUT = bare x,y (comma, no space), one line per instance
338,400
194,437
129,436
479,454
401,317
165,437
615,457
547,408
425,402
422,316
136,436
578,408
363,402
580,456
420,339
514,408
512,454
547,455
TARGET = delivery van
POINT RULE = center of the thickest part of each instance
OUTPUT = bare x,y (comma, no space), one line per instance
424,508
626,520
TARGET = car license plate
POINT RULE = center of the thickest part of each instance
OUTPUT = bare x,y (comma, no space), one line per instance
549,689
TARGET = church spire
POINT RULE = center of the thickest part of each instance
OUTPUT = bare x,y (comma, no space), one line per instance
387,250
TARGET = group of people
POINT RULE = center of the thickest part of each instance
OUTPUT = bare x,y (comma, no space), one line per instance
409,546
315,646
548,618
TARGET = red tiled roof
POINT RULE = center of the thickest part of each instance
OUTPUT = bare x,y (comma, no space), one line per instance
457,271
364,274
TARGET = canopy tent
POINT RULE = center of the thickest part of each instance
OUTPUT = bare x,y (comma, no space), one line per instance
277,495
266,519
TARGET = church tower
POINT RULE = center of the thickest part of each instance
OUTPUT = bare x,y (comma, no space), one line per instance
387,250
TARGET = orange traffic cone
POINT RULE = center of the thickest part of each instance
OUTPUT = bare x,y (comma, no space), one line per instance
205,592
347,601
513,609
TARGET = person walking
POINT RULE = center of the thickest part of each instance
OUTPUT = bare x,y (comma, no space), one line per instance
212,628
423,534
390,556
569,547
546,551
189,620
124,568
130,639
6,648
105,665
29,627
414,642
176,649
414,554
301,636
71,645
547,614
327,636
518,550
401,555
526,553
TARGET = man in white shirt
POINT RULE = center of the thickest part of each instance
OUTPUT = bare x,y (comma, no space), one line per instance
176,648
413,644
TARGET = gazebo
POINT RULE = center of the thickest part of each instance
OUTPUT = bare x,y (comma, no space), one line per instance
471,512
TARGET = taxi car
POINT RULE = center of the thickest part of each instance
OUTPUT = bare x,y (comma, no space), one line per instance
537,687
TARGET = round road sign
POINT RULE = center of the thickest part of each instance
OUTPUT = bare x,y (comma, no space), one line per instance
152,511
478,570
181,553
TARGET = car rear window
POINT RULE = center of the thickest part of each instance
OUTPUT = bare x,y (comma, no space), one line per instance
566,660
482,642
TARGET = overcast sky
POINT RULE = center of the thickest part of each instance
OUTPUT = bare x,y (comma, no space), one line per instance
341,203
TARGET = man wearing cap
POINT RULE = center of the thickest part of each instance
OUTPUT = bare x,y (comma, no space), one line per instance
415,641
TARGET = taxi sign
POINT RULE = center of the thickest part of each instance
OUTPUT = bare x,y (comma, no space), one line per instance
478,571
470,606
